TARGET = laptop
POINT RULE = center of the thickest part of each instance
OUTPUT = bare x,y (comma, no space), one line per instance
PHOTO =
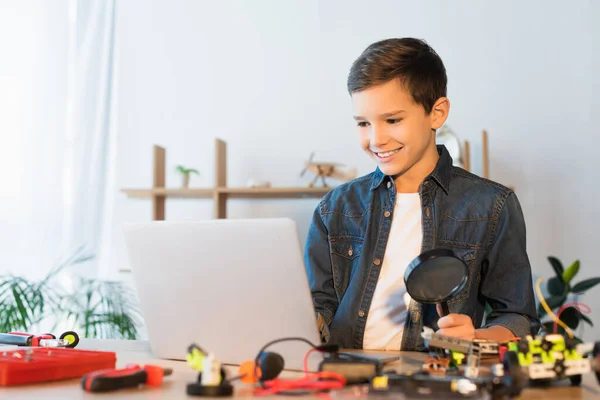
230,286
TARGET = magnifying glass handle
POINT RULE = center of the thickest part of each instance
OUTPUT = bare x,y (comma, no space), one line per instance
445,309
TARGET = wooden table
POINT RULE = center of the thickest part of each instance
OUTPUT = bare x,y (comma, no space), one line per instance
175,385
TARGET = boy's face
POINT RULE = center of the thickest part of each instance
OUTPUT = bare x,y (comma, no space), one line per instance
393,129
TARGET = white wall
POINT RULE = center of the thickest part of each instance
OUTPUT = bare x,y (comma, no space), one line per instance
271,75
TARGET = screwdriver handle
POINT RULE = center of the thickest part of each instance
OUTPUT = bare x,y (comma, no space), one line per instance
113,379
131,376
15,339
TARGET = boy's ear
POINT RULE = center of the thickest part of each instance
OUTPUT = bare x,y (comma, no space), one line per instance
439,112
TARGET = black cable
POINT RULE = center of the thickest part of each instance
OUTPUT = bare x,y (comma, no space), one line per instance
285,339
326,348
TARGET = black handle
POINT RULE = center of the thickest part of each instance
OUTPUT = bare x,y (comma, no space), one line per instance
445,309
15,340
114,380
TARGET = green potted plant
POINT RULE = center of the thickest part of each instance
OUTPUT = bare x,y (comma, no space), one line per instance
94,309
559,288
185,172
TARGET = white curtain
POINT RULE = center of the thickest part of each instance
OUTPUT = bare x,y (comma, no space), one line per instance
90,141
57,93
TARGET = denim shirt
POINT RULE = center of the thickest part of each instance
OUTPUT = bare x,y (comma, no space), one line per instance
479,220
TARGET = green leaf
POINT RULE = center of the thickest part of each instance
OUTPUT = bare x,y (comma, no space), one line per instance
97,308
556,286
584,285
570,272
570,316
557,265
587,320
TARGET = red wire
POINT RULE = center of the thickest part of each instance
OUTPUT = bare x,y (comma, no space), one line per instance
320,381
577,305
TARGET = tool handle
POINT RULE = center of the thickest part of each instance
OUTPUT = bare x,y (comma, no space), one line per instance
15,339
445,309
113,379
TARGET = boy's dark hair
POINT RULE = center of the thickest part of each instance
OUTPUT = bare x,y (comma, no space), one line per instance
412,61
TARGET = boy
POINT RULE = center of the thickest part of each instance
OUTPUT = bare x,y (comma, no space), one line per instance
365,232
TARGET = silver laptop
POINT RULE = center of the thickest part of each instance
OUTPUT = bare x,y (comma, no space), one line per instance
228,285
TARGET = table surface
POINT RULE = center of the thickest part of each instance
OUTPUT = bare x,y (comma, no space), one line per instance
175,385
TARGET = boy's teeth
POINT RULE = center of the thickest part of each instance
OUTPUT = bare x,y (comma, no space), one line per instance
387,153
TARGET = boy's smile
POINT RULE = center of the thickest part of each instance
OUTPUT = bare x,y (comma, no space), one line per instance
386,156
397,132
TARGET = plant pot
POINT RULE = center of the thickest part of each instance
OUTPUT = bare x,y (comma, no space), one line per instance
186,181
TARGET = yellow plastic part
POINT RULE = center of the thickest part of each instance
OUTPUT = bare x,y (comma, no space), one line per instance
195,359
70,338
525,359
454,385
458,357
380,382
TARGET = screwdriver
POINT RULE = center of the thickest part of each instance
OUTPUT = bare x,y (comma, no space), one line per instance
17,339
131,376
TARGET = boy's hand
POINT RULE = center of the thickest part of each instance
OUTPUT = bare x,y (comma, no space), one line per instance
456,325
461,326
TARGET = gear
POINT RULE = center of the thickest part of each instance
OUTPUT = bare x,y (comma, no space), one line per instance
546,345
570,343
523,346
559,368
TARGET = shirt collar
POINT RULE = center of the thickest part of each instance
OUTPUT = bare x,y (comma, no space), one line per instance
441,173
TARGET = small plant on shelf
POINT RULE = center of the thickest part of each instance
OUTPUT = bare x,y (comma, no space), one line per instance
186,172
559,287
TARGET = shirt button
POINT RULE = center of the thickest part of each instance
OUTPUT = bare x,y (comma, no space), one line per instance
389,185
361,313
386,214
377,261
427,212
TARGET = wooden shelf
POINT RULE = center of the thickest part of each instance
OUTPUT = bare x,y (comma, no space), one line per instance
172,193
273,193
220,193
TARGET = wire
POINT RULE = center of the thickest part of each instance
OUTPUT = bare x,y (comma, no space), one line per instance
548,310
285,339
318,382
577,305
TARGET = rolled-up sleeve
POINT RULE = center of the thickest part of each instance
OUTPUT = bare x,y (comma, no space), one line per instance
507,278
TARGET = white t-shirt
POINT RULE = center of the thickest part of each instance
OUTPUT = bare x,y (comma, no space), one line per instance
389,307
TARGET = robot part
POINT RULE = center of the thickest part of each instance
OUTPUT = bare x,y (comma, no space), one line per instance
212,380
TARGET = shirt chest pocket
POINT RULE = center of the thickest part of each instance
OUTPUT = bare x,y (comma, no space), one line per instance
345,258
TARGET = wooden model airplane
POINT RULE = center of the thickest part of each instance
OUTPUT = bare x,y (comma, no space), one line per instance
323,170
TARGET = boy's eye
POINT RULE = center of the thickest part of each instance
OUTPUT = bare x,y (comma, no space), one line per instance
393,120
363,124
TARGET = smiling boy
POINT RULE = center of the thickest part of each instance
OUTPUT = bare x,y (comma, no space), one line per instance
365,232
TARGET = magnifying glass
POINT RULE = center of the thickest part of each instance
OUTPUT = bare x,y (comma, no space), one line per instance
434,277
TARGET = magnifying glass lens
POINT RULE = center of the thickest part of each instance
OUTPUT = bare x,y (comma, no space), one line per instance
435,284
435,277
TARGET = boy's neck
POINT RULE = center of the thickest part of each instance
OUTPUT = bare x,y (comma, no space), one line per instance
410,181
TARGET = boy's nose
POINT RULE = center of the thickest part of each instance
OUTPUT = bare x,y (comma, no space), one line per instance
378,137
